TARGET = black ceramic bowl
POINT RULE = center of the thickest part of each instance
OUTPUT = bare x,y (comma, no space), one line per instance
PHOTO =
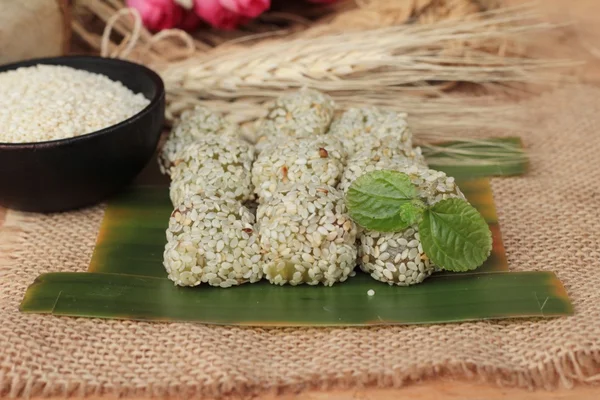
65,174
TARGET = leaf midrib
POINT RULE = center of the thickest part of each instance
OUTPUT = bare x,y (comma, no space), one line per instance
383,196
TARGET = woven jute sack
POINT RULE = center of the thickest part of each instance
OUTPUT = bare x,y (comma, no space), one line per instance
549,219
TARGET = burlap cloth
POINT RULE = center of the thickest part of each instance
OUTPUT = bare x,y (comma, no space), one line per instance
550,221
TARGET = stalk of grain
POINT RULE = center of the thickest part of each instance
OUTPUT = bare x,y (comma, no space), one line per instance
377,63
395,66
34,28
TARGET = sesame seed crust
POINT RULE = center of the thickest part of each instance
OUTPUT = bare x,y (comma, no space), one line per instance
299,114
358,128
193,125
213,166
317,159
212,240
375,160
306,236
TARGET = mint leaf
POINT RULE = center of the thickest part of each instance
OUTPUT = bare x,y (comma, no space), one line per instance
384,201
455,236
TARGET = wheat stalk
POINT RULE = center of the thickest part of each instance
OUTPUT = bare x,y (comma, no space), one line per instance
375,66
379,67
389,57
403,67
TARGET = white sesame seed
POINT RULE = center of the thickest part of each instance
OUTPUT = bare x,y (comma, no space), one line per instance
49,102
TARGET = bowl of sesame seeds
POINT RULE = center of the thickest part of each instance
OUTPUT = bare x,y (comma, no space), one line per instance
75,130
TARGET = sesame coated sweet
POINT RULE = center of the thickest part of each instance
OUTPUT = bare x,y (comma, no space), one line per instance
306,236
398,257
377,158
317,159
299,114
193,125
359,127
212,240
303,233
213,166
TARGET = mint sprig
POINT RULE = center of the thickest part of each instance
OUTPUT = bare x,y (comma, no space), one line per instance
454,235
384,201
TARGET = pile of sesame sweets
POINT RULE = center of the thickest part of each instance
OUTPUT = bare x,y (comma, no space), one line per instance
50,102
306,161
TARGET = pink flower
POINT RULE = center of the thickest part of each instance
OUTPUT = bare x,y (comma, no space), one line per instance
158,14
218,16
189,22
247,8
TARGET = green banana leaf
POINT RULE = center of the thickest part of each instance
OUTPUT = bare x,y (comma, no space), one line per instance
459,297
468,159
126,279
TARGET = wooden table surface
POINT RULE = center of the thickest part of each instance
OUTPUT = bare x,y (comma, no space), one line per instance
582,41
